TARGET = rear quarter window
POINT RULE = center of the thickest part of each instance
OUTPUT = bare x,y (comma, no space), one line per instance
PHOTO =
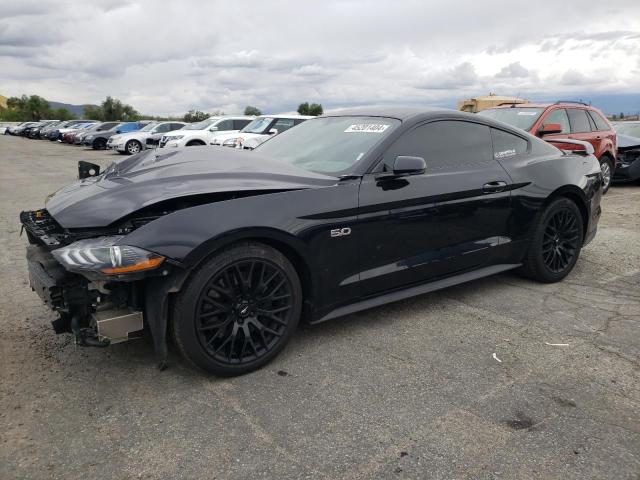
507,145
601,123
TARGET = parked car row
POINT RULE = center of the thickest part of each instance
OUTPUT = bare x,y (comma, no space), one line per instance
244,132
617,147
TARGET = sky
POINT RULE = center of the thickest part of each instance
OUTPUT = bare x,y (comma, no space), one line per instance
167,57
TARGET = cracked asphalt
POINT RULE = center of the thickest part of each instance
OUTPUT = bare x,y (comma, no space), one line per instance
411,390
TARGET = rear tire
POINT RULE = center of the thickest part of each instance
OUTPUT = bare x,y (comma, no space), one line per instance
606,167
238,310
556,243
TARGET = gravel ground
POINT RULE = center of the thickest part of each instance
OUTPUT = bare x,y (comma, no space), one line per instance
408,390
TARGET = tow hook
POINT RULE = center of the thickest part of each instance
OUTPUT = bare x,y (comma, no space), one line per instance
86,337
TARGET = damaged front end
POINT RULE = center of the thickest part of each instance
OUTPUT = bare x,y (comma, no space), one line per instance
90,259
628,159
94,284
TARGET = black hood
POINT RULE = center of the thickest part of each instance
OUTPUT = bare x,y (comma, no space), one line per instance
149,178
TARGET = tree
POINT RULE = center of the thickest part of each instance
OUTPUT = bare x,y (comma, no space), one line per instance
314,109
111,109
114,109
93,112
195,116
62,114
249,110
303,108
31,108
621,115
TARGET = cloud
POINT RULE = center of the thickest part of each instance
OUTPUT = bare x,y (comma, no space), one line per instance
575,77
166,57
461,75
513,70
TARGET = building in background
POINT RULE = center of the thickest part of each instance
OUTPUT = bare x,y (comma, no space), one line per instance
477,104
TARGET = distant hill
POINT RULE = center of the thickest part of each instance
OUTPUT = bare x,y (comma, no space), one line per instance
77,110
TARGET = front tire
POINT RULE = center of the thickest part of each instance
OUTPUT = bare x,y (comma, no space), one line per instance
195,143
132,147
606,167
99,144
556,243
238,310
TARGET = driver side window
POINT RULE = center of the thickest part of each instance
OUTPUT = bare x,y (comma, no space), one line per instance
445,145
559,115
225,125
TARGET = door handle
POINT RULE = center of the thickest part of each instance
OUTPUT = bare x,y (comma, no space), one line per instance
494,187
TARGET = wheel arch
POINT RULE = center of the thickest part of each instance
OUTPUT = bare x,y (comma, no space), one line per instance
576,195
287,244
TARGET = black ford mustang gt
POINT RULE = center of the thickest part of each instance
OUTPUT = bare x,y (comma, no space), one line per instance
229,249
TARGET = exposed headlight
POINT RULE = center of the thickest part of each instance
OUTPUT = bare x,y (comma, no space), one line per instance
230,142
175,137
100,255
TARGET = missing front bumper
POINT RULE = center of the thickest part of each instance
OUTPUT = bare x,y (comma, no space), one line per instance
118,325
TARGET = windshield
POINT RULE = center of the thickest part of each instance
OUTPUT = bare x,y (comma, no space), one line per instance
202,125
631,129
521,117
330,145
149,127
259,125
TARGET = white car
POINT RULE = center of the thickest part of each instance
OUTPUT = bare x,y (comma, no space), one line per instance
261,129
131,143
202,133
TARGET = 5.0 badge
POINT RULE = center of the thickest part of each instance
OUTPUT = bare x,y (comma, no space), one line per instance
340,232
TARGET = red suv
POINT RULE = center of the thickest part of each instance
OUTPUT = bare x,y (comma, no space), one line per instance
565,119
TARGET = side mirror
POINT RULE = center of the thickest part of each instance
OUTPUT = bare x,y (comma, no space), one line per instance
273,131
409,165
87,169
118,131
550,129
213,129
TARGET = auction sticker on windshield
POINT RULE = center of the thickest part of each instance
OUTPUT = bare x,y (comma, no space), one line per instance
367,128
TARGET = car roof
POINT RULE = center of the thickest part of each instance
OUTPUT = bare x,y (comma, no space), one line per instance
401,113
285,115
231,117
543,105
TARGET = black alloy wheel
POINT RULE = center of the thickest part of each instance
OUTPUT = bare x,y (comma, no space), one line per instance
556,243
560,242
238,310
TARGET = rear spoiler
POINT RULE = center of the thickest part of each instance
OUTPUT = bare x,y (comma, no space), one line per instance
587,148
